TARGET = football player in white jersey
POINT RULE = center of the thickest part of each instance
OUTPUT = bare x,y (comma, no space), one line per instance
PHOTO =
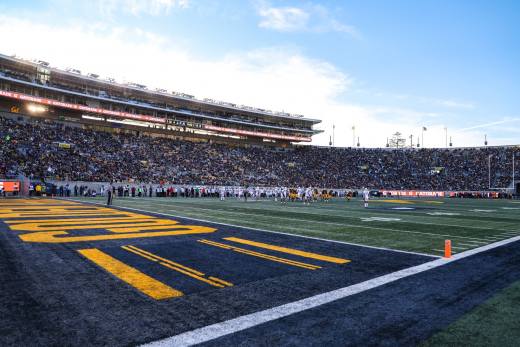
222,192
366,196
308,195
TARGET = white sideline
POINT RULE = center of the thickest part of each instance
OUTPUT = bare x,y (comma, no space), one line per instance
234,325
264,230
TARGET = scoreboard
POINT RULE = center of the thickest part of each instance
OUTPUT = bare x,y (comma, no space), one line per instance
9,186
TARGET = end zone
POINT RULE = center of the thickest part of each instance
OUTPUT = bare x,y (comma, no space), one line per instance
225,272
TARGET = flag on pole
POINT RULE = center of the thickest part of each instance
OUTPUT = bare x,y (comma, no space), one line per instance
424,128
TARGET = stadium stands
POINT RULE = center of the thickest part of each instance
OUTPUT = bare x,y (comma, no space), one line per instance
48,149
69,94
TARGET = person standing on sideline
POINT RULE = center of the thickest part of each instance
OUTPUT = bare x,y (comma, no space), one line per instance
109,197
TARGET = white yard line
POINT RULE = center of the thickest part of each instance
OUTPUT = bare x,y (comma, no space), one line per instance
466,244
476,243
493,238
241,323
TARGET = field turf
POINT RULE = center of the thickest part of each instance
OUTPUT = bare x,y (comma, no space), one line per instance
77,273
494,323
420,225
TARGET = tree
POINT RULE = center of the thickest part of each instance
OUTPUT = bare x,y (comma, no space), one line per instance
397,141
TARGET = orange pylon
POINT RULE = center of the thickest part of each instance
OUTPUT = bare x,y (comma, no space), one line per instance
447,249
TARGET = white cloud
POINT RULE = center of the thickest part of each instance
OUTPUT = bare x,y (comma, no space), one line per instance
138,7
283,18
274,78
310,18
456,104
340,27
324,21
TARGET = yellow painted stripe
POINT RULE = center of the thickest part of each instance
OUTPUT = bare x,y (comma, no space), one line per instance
220,281
167,261
130,275
179,267
262,255
215,284
289,250
277,259
221,245
126,248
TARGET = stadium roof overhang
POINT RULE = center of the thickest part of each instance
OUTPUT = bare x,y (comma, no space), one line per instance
154,108
178,96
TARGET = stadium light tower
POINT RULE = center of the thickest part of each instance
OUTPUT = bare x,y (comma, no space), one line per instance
333,130
489,171
446,137
485,140
514,177
422,135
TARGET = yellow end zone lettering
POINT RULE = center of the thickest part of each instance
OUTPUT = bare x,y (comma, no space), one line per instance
51,227
60,236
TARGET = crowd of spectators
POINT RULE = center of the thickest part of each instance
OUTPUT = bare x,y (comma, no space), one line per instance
44,149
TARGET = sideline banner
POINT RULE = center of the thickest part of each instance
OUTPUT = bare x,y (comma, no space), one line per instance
10,186
416,193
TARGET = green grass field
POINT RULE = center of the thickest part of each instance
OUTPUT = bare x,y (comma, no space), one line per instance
419,225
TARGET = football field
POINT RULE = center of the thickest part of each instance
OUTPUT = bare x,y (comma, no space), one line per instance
185,271
415,225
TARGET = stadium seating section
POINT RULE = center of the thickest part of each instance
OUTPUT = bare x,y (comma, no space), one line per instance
33,149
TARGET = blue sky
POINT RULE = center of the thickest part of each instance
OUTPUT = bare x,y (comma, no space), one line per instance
381,66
